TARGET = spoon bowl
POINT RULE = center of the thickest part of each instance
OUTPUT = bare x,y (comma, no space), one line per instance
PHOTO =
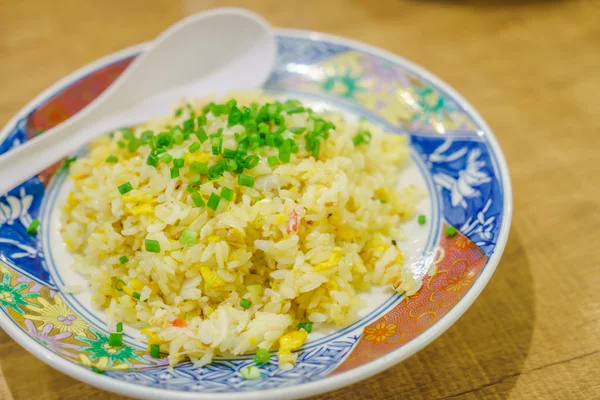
212,52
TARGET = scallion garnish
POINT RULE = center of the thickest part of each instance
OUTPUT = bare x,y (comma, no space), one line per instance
201,135
178,162
213,201
152,160
32,229
115,340
165,157
188,237
188,125
307,326
227,193
216,145
197,199
155,351
194,147
123,259
450,230
245,303
262,356
153,246
245,180
125,188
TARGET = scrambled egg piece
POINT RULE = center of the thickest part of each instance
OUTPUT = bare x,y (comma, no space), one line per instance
211,279
332,262
289,342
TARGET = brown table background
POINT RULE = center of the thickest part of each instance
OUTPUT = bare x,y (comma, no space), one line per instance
532,68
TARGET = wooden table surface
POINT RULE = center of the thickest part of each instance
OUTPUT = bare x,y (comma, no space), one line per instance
532,68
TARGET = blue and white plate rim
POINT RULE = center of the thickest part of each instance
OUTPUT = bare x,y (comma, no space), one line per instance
331,382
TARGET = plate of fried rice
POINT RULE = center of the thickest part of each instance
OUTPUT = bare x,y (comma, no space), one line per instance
275,243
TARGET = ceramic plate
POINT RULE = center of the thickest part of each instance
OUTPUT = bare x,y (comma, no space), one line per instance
456,158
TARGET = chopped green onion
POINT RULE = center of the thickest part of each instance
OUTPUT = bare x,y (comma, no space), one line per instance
165,157
158,151
125,188
262,356
97,370
229,153
199,167
178,162
119,285
178,136
235,116
119,327
112,159
123,259
136,295
145,137
153,246
121,144
166,139
197,199
155,351
213,201
115,340
240,137
250,372
32,229
178,112
270,140
188,237
272,160
295,110
133,145
245,303
296,131
152,160
450,230
422,219
227,193
214,172
362,137
251,161
201,135
230,165
153,142
127,134
201,120
217,145
284,153
245,180
277,139
307,326
174,172
194,147
68,162
188,125
195,178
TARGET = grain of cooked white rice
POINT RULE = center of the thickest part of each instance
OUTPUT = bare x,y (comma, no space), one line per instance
300,245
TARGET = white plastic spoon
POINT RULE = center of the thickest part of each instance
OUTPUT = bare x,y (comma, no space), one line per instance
212,52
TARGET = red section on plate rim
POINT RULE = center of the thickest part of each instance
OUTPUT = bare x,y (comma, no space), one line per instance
459,262
69,102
